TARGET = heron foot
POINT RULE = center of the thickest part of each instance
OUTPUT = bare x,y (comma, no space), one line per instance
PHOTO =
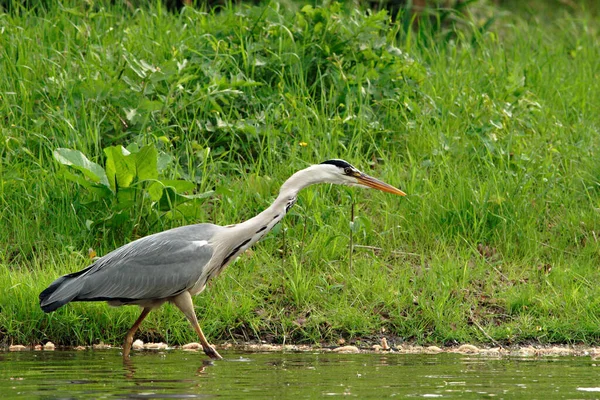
211,352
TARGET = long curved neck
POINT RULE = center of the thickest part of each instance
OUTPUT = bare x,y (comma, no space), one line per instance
284,201
251,231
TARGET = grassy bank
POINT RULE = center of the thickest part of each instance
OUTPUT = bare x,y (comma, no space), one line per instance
492,130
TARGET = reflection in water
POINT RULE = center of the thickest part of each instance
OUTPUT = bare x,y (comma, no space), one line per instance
178,374
130,368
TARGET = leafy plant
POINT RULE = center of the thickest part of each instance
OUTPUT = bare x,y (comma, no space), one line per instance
130,184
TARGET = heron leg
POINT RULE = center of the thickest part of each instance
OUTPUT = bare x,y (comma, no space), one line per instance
184,302
129,337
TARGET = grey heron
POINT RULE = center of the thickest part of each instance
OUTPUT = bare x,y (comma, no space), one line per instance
176,264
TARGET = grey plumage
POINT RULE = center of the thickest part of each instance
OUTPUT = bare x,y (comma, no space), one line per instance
175,265
154,267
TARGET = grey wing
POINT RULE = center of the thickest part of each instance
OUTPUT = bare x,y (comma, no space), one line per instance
154,267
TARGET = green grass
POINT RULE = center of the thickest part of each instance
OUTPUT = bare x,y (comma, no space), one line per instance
491,130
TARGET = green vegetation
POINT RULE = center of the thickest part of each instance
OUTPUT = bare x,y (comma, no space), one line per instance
489,122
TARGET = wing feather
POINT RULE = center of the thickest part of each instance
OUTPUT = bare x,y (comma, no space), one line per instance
154,267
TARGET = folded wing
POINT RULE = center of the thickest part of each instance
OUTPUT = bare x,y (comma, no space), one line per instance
154,267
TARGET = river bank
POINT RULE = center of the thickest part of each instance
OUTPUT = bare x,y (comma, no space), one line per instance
530,350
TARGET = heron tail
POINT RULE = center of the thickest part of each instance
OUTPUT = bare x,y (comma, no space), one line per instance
61,291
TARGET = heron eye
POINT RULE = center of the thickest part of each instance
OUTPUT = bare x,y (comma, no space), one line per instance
348,171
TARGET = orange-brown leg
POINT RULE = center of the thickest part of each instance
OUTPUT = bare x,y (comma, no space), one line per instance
129,337
184,302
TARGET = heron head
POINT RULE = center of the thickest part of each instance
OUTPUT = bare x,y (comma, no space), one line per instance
343,173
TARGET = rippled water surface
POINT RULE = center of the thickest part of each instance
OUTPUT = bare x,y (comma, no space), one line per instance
179,374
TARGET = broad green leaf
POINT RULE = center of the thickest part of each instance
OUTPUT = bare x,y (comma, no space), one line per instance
168,200
155,191
65,173
133,147
146,163
164,160
180,186
171,199
120,167
79,161
125,198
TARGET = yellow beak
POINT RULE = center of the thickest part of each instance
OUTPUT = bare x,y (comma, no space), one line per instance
369,181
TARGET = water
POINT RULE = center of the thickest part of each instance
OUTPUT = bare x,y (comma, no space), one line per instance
179,374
